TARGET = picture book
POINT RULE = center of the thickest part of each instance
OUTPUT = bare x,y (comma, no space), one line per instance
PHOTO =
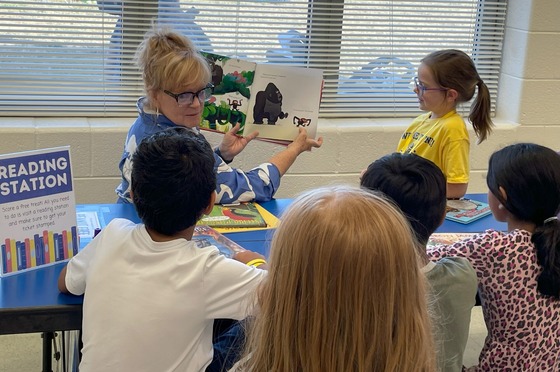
233,215
88,223
91,222
37,209
447,238
205,236
275,100
466,210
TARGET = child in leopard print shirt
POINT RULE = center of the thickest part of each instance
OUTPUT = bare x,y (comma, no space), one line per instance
519,271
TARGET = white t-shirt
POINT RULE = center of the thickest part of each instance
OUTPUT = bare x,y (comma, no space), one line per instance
150,306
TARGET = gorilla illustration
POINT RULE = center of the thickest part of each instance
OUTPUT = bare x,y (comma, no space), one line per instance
217,72
268,104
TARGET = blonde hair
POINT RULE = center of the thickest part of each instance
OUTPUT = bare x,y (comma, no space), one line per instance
344,291
170,60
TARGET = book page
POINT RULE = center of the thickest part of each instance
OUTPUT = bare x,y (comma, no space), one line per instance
283,99
232,79
205,236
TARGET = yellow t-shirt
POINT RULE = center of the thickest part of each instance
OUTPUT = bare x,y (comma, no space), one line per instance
444,141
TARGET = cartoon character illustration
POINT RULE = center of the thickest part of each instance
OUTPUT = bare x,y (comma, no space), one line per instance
234,104
202,242
268,104
223,113
238,214
301,122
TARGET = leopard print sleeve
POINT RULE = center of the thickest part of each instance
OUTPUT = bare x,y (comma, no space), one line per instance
477,249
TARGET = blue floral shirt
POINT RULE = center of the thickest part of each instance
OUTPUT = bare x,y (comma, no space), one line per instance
233,185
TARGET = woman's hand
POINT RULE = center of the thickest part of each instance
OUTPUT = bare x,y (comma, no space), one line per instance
285,158
232,144
304,143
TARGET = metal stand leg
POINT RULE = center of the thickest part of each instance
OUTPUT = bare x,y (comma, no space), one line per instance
48,338
63,351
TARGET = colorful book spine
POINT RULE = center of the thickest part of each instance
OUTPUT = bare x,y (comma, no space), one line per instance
56,248
52,248
46,255
64,237
27,244
18,256
38,249
22,260
13,255
60,247
8,255
43,253
69,253
32,253
4,259
26,259
75,240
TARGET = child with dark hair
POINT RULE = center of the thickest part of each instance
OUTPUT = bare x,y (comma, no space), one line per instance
151,295
519,270
417,186
445,79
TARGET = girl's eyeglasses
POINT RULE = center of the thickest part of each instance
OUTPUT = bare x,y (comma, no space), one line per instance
421,88
187,98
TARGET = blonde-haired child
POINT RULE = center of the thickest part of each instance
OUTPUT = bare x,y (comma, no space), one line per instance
343,293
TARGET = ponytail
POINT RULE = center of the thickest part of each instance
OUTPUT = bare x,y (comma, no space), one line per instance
454,69
546,239
480,112
530,176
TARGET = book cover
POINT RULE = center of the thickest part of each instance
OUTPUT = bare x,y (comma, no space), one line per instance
205,236
233,215
37,208
276,100
466,210
88,223
447,238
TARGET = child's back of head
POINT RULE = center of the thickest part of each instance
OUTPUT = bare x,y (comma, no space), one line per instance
172,180
342,293
525,179
415,184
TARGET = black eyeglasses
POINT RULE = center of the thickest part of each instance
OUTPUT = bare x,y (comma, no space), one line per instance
187,98
422,88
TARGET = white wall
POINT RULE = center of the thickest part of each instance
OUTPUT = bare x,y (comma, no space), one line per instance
526,111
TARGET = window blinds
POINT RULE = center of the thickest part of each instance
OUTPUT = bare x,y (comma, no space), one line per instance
75,57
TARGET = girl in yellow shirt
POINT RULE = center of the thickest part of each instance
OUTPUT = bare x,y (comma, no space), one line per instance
446,78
